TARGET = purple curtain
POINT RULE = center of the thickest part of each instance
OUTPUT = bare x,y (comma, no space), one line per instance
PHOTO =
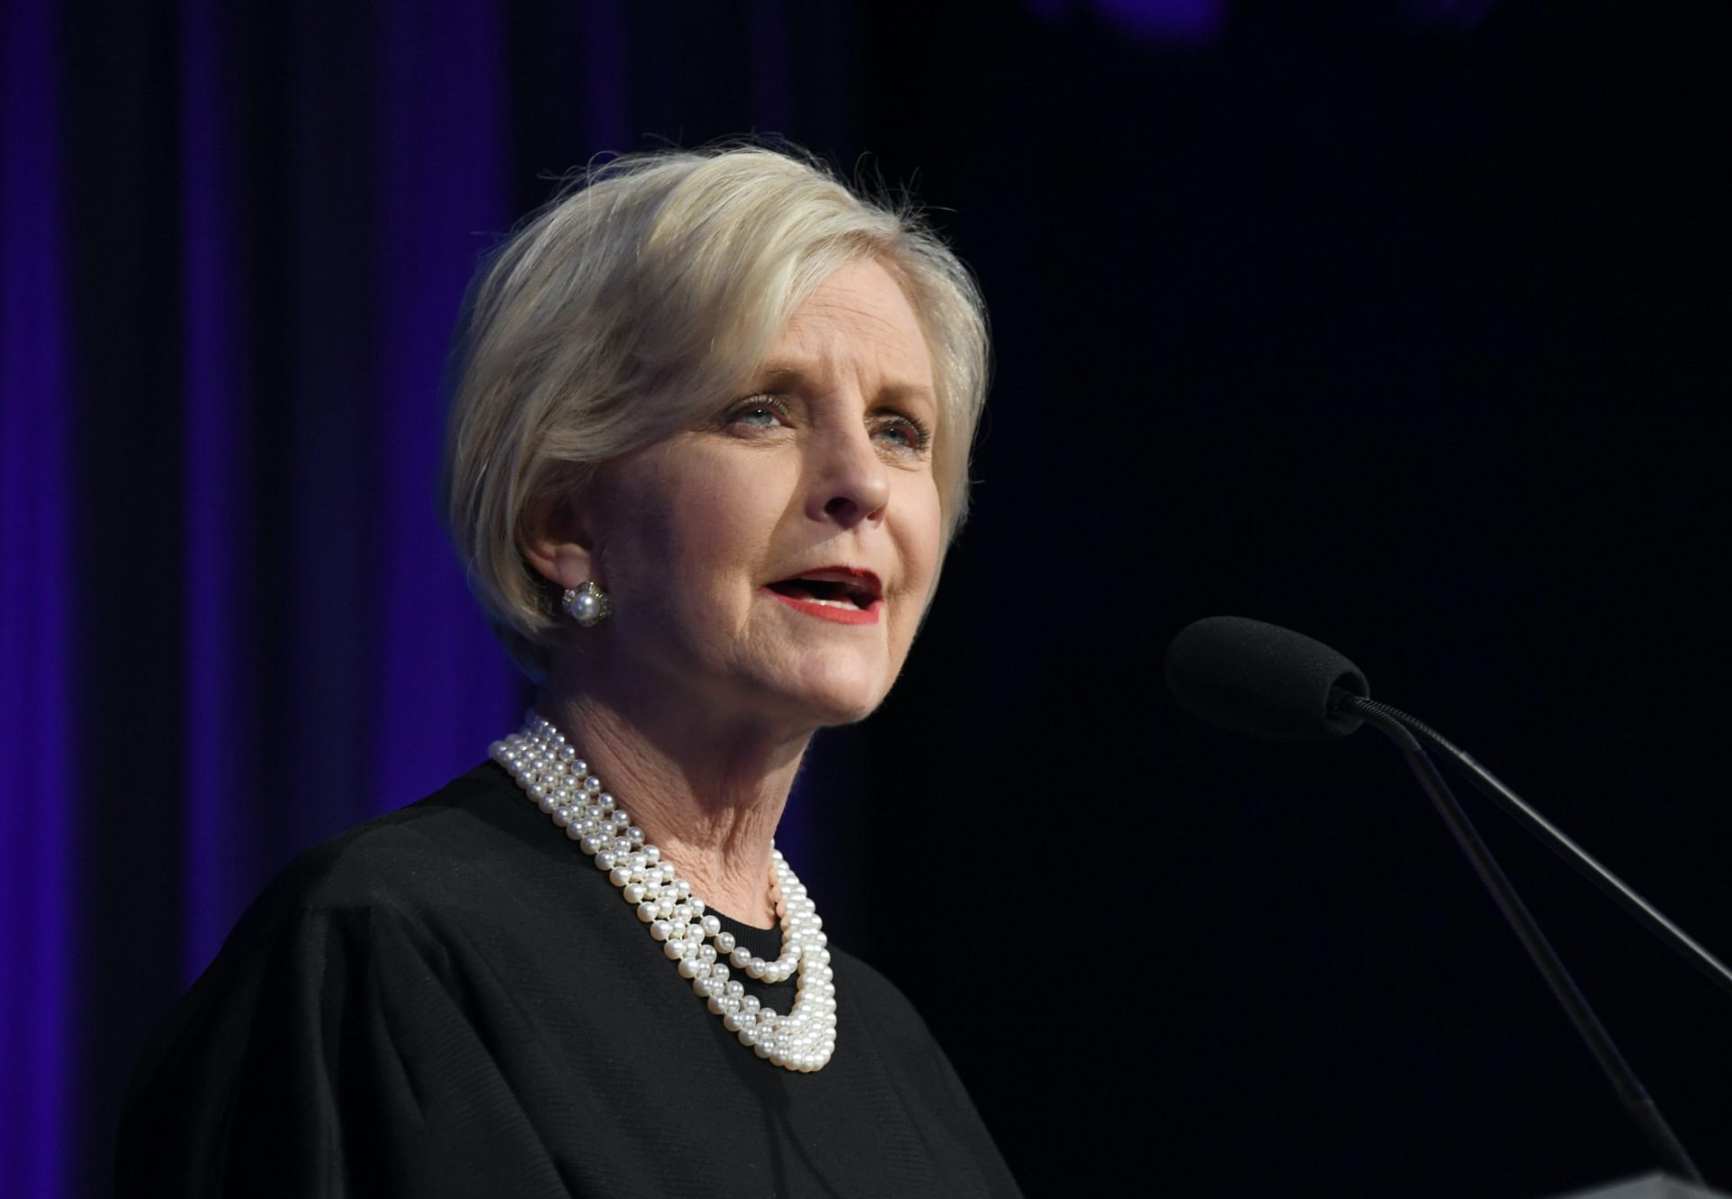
232,265
234,243
38,749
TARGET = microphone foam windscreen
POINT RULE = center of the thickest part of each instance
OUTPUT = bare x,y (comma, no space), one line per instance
1261,679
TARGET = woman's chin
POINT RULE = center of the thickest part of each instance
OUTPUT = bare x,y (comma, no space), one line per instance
839,696
851,714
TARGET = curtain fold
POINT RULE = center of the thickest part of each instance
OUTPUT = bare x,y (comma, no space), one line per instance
234,242
40,743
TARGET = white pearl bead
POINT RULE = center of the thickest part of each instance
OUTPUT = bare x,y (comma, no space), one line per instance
646,912
725,941
659,929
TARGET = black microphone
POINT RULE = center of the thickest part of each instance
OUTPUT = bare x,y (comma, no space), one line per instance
1267,681
1261,679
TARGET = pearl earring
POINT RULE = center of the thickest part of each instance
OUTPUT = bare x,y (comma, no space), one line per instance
587,604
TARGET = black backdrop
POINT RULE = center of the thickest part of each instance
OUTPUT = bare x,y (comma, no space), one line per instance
1401,324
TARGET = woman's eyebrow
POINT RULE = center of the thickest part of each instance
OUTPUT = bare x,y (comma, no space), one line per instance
794,374
782,373
903,393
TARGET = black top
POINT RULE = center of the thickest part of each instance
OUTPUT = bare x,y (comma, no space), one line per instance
451,1000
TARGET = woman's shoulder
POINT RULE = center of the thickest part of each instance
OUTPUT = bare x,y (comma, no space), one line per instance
466,849
427,883
371,972
418,851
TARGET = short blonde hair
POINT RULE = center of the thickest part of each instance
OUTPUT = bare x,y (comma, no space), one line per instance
639,301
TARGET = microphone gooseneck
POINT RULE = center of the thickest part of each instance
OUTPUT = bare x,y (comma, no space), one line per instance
1630,1091
1261,679
1553,838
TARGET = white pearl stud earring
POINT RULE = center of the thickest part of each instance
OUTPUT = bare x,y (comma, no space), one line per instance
587,604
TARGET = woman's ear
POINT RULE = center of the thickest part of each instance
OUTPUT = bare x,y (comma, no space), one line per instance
555,541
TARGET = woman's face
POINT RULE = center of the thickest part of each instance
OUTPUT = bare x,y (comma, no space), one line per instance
774,563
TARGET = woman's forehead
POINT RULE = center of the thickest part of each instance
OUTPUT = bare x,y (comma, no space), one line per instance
857,318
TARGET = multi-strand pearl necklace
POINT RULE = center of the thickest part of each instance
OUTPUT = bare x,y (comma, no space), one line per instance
562,785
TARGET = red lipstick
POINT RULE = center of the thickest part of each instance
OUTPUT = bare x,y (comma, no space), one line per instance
842,594
841,615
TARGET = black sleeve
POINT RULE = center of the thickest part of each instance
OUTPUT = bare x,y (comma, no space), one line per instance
333,1056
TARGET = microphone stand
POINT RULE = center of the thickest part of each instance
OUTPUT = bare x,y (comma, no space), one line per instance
1631,1093
1549,835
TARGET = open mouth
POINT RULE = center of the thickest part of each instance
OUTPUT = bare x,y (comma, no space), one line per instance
842,590
832,593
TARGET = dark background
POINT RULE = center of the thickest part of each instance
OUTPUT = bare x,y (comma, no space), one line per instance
1403,325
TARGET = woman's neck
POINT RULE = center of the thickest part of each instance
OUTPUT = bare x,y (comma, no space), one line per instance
710,800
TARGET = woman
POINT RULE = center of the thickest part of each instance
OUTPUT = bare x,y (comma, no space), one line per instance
708,445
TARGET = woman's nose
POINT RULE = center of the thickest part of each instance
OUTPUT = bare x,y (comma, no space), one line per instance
851,482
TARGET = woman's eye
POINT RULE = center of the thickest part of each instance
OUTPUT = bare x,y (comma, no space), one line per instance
906,432
761,412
